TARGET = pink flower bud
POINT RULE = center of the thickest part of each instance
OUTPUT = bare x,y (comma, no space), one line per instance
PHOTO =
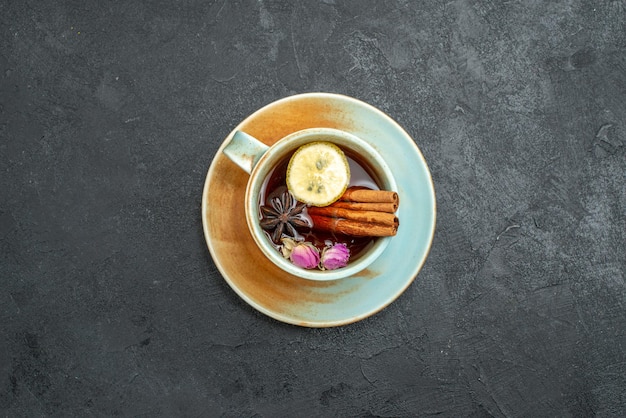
305,255
335,257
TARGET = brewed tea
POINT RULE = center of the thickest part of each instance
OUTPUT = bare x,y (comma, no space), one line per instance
278,209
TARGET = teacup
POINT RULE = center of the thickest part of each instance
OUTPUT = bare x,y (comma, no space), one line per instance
258,160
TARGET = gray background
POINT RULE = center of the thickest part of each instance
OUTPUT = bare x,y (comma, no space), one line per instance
110,115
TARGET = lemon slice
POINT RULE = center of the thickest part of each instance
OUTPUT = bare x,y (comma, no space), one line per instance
318,173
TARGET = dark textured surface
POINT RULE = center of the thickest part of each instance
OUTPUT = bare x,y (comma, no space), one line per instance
110,114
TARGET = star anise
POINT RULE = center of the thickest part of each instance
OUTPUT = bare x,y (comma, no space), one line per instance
283,215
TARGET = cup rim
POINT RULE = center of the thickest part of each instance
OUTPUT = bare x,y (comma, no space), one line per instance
260,172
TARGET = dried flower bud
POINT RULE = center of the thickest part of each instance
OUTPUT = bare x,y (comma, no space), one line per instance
288,246
335,257
305,255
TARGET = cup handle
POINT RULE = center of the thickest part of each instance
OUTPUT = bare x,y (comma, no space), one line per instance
245,150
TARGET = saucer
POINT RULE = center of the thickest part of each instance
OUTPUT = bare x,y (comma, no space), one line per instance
291,299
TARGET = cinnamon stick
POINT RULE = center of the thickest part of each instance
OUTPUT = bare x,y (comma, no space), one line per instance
359,212
369,206
363,216
352,227
357,194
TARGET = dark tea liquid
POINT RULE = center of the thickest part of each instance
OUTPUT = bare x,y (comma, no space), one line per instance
360,175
